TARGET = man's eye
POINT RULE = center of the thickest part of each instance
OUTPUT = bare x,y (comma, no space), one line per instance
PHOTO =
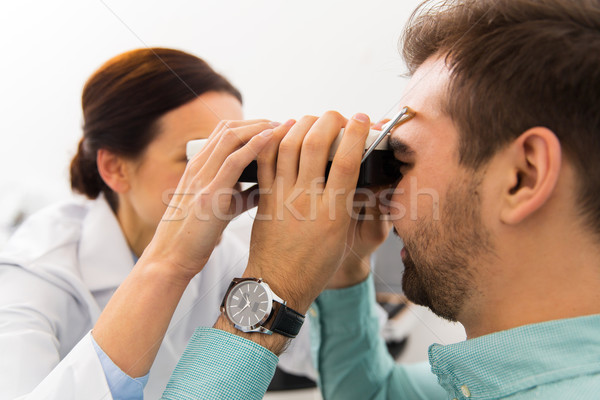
401,166
406,166
395,168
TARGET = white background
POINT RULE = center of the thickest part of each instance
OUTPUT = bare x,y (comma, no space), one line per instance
287,58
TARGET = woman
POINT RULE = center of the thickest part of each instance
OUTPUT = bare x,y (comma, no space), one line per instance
64,264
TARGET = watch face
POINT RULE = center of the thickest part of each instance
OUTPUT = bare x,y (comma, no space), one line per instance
248,304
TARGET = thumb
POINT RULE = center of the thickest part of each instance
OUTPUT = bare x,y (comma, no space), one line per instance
379,125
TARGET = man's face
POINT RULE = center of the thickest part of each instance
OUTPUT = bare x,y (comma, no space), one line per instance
439,218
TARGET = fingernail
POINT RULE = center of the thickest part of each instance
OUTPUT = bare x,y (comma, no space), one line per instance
266,133
275,124
361,117
290,122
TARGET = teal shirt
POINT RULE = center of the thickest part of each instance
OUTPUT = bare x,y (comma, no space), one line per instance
220,365
551,360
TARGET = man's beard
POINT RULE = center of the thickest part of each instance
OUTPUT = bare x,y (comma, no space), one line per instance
440,255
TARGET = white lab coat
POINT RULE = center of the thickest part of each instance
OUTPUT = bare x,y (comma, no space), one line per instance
56,275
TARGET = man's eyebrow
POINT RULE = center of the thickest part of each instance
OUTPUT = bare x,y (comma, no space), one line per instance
400,147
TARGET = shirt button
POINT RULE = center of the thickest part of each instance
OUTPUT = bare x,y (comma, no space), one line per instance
312,312
465,391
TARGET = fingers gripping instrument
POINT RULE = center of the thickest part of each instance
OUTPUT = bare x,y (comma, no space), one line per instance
378,165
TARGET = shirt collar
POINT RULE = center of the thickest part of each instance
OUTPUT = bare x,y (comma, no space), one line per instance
506,362
104,255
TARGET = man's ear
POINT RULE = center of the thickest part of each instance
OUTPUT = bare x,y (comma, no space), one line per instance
113,170
535,158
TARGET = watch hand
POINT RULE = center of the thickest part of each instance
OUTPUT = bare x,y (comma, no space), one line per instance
243,308
247,301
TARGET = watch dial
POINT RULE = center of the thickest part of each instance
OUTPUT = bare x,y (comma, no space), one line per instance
248,303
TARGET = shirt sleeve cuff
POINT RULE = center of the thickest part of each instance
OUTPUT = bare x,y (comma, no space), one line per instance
122,386
219,364
345,309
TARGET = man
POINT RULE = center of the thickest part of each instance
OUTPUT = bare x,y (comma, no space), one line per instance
506,132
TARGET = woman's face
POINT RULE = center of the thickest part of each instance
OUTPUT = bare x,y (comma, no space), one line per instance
155,175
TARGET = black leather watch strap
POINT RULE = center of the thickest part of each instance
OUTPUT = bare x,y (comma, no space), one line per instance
287,322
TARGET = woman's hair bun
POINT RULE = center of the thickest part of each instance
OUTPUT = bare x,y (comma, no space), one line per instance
85,178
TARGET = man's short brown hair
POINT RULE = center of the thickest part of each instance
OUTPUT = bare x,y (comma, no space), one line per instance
517,64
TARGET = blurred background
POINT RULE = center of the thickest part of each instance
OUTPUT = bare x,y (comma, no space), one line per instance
287,58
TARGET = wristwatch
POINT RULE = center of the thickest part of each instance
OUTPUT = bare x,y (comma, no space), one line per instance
250,305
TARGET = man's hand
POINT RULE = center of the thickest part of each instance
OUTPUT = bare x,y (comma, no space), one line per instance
299,235
368,230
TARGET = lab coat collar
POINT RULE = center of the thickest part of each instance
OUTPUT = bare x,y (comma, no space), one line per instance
104,255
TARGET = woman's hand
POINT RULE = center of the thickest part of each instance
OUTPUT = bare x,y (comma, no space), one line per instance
206,198
133,323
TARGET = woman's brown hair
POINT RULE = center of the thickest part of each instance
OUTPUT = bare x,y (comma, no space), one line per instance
123,100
